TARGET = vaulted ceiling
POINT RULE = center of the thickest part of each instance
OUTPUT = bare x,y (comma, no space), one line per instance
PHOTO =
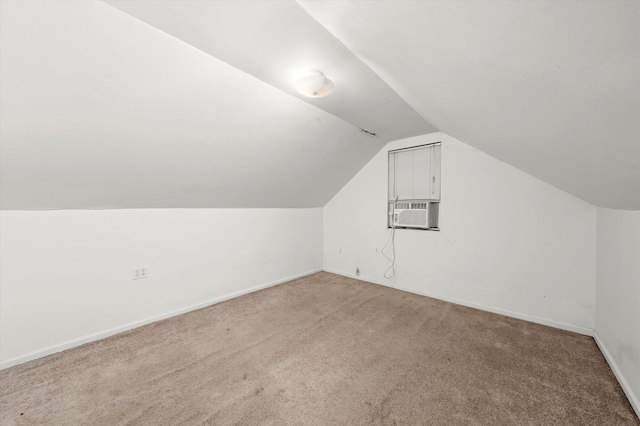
551,87
127,104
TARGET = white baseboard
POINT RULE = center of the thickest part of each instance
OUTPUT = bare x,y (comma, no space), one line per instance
107,333
543,321
631,396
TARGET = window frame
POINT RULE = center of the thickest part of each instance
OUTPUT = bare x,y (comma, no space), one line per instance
437,202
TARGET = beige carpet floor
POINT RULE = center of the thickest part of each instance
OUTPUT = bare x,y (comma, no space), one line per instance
323,350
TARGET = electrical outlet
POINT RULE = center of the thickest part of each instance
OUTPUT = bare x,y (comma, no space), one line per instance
139,272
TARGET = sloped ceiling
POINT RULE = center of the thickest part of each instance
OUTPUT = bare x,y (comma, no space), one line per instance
190,103
102,110
551,87
276,41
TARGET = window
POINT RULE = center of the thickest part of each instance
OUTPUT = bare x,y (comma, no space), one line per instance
414,187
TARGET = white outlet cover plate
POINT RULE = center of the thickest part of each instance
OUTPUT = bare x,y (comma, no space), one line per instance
139,272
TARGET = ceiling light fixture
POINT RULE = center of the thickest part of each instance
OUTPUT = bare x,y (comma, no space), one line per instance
314,84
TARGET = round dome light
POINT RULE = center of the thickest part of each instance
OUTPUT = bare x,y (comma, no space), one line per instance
314,84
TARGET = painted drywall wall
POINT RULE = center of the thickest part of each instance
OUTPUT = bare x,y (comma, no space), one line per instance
66,276
508,243
618,296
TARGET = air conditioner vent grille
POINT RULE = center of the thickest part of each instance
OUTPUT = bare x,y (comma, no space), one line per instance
421,214
413,218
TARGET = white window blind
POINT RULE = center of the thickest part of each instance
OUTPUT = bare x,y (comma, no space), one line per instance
414,173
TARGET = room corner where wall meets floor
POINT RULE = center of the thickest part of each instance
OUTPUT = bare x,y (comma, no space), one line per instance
324,349
617,328
507,240
66,276
508,243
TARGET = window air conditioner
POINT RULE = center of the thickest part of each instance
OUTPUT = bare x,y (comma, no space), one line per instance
415,214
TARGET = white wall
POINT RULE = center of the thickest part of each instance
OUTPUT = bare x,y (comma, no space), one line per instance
618,296
66,275
508,243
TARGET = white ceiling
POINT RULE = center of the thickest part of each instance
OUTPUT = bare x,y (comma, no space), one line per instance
190,103
101,110
277,41
551,87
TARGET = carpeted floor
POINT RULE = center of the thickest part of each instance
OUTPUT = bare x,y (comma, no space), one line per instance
323,350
